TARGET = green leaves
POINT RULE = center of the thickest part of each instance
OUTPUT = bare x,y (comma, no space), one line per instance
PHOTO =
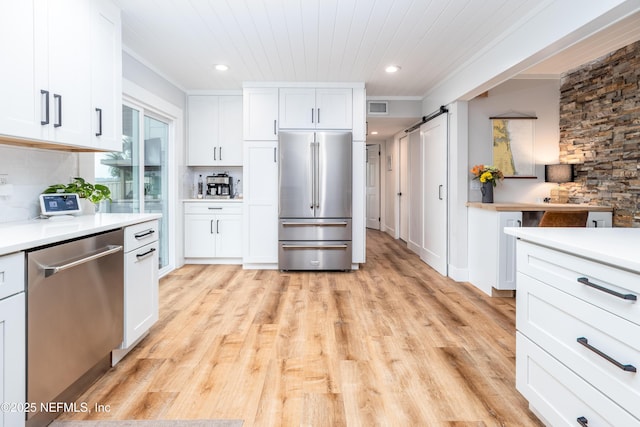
94,193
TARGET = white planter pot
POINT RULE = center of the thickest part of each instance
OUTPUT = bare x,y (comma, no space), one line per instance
88,208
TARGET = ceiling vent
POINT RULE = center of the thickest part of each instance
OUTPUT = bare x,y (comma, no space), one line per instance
378,107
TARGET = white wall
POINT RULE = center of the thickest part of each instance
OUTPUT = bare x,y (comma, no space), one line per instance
539,98
30,171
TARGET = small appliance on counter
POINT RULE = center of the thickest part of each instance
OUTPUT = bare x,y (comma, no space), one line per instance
219,186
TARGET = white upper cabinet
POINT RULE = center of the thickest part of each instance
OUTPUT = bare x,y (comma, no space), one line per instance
260,118
52,49
215,130
327,108
106,67
20,105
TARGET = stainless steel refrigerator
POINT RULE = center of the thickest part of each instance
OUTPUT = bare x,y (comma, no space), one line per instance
315,178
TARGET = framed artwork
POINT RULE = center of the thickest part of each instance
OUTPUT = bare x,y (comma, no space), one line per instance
513,140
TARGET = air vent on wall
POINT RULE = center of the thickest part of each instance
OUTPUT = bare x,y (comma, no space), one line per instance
377,107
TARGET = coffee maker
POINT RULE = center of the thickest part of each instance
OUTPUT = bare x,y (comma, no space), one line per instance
219,186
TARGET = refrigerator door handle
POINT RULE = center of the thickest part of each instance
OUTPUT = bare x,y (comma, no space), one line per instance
312,168
317,178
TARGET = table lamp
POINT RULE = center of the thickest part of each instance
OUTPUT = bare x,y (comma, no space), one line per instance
559,174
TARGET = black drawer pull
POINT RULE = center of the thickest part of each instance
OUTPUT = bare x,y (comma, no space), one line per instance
144,234
149,252
583,421
585,342
629,297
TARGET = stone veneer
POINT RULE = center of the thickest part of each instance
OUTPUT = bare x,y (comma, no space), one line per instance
600,133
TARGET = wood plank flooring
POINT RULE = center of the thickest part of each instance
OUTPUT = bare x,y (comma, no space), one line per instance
392,344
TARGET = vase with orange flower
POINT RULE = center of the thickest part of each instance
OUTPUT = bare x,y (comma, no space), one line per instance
488,177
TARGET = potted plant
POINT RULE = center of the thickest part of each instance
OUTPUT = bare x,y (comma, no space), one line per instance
85,190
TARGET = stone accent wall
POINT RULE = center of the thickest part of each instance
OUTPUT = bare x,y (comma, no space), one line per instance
600,133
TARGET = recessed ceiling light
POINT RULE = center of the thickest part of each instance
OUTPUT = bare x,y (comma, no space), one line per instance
375,132
222,67
392,68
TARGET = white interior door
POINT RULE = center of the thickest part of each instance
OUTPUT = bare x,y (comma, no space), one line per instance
373,186
434,135
403,188
415,192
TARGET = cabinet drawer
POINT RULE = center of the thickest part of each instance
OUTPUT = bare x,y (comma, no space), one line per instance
213,208
11,274
139,235
562,271
574,331
559,395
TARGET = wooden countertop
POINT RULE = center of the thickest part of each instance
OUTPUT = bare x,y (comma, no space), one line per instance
515,207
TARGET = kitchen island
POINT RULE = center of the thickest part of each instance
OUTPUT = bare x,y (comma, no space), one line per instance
72,291
578,323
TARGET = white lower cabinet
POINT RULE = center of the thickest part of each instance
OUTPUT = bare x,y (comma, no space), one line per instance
578,351
213,232
12,340
141,305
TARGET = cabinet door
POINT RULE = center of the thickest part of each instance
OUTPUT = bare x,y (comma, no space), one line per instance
261,203
22,105
297,108
140,292
334,109
203,130
260,117
106,76
507,250
13,357
199,236
228,231
599,219
70,72
230,131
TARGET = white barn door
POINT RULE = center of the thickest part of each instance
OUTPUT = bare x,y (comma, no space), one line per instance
373,186
434,136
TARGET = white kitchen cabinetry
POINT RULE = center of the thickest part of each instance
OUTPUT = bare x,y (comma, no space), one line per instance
141,304
50,91
599,219
322,108
260,114
491,252
578,351
213,232
106,69
261,204
215,130
12,339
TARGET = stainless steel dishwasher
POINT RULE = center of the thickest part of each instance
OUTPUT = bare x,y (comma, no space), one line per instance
74,318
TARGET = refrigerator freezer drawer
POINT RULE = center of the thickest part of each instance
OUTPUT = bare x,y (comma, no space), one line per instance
314,255
315,229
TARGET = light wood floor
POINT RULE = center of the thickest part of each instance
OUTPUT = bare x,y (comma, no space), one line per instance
393,344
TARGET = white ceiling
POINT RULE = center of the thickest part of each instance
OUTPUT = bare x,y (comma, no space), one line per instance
333,40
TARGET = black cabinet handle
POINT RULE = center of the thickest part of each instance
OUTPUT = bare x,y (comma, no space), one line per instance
46,107
58,99
275,151
214,153
629,297
220,152
312,116
585,342
595,223
149,252
318,115
211,227
583,421
217,226
99,111
440,192
144,234
274,127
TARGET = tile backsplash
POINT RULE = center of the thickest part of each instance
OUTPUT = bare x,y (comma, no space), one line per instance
30,171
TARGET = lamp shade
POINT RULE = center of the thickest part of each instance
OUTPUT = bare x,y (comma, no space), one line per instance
558,173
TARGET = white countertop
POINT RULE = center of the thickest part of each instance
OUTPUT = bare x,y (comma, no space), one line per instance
18,236
614,246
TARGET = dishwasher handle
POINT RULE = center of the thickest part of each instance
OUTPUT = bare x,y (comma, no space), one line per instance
53,269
